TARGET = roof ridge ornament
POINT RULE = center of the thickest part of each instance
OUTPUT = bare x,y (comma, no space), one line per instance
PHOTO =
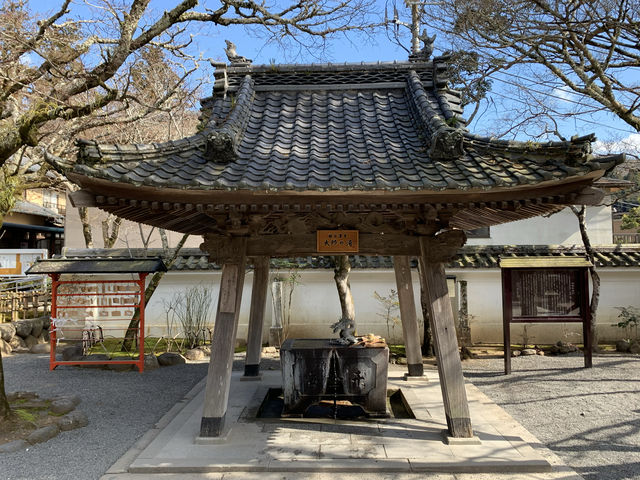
233,56
424,54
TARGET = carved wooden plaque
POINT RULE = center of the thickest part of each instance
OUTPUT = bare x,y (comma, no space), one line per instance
337,241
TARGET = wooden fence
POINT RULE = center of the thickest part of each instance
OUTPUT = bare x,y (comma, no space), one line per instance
22,297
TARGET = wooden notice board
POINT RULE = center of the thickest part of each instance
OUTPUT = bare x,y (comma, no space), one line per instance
337,241
545,290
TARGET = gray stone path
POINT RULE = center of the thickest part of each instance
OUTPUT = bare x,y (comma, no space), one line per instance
381,449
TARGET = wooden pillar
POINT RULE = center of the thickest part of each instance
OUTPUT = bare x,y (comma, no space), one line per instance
507,316
256,316
444,335
410,330
216,395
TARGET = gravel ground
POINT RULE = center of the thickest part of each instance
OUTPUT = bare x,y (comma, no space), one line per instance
588,417
121,407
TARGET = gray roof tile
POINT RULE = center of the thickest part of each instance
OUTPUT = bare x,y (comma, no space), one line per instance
285,136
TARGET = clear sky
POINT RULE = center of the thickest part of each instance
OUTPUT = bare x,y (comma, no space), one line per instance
209,42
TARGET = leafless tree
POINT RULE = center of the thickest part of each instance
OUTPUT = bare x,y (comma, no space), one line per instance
63,67
563,58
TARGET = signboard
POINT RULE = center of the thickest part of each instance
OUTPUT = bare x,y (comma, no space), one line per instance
17,261
337,241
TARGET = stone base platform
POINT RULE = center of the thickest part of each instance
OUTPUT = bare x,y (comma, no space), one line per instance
304,448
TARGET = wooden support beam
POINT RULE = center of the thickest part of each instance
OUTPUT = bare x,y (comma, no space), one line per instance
216,395
454,395
256,316
410,330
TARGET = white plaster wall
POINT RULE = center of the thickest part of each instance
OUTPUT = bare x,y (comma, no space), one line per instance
558,229
315,304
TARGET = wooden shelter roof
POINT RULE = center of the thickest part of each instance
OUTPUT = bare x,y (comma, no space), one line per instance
363,137
98,265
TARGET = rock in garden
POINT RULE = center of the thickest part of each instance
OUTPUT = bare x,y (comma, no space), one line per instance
73,420
36,327
528,351
73,398
43,337
194,354
30,341
7,331
151,362
14,446
206,349
61,406
41,348
269,350
17,342
515,353
634,348
540,352
5,348
21,395
23,328
72,353
168,359
43,434
623,346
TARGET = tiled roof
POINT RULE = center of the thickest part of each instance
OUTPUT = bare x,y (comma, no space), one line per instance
387,126
470,256
30,208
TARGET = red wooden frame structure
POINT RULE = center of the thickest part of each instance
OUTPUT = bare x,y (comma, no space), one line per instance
577,266
55,307
92,266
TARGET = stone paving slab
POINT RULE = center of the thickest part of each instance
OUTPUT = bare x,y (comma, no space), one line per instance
384,448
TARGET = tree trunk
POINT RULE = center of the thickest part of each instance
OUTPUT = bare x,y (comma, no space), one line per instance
83,212
341,277
113,223
595,278
148,293
5,410
427,341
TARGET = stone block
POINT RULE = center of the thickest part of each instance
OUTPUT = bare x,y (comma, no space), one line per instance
194,354
634,348
36,327
16,343
72,353
61,406
23,328
7,331
73,398
14,446
43,434
5,348
151,362
73,420
41,348
623,346
30,341
168,359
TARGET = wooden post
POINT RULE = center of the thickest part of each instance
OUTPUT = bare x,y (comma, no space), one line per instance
216,395
444,335
256,316
410,330
507,316
585,311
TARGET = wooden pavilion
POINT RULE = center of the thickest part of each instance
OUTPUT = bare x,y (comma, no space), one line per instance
285,151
